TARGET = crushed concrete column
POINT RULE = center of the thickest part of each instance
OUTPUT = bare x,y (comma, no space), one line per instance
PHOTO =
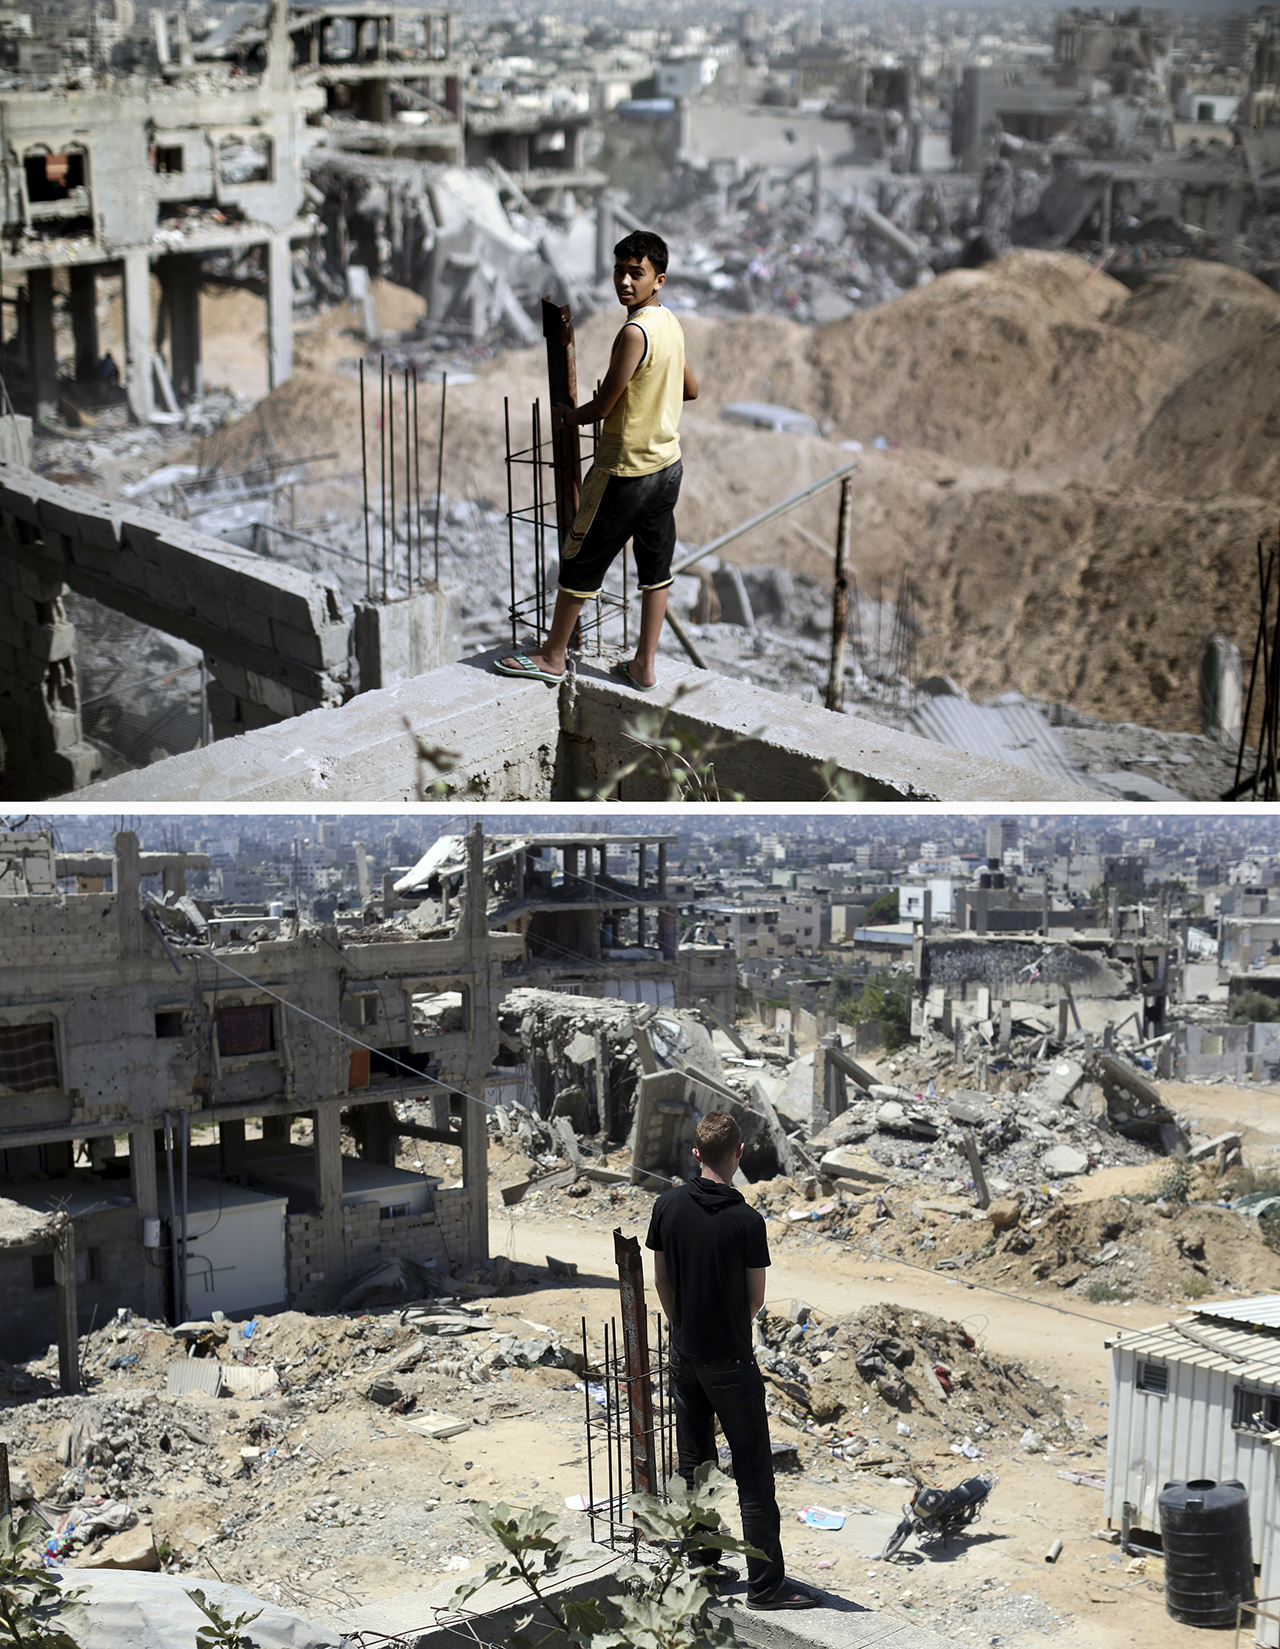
279,311
44,358
137,334
146,1194
84,321
328,1172
180,285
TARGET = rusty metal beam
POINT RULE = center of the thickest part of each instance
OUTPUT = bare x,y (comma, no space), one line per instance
639,1379
562,377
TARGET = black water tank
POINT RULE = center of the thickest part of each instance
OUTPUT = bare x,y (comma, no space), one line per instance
1208,1552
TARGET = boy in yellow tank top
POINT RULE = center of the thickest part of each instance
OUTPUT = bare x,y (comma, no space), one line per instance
630,491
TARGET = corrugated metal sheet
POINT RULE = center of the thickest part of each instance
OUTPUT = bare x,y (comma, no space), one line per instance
1260,1351
1013,732
1262,1309
194,1374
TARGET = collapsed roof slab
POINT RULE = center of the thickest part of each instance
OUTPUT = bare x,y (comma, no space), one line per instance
517,741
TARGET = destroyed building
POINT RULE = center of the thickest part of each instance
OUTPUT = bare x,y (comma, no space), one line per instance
153,174
123,1018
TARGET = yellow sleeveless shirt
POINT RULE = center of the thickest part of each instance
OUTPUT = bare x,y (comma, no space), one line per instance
641,434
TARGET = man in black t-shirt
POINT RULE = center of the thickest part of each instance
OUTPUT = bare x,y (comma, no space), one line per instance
710,1252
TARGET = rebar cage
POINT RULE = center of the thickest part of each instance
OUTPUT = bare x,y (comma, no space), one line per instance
533,608
624,1392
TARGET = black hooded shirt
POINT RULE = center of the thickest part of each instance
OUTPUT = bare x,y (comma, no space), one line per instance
709,1238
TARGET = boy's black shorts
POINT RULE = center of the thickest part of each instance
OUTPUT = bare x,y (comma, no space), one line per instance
613,509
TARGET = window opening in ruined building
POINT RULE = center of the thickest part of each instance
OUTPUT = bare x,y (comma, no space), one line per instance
1153,1377
1255,1410
170,159
244,1031
360,1010
396,1211
244,160
392,1062
88,1268
169,1023
438,1013
53,176
28,1058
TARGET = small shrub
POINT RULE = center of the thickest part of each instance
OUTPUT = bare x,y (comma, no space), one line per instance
1196,1287
35,1610
1100,1293
1242,1181
1174,1184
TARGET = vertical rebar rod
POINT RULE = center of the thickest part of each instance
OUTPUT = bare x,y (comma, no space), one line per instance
1266,678
539,533
840,598
1273,720
511,518
382,456
391,461
586,1396
444,391
417,468
364,473
408,482
608,1428
1263,584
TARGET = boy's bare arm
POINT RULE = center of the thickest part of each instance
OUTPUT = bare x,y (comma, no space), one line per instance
628,352
690,384
755,1289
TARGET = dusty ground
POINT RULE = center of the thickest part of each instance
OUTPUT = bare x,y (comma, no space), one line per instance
345,1504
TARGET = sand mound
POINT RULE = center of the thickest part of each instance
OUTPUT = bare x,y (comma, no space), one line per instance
313,412
1010,365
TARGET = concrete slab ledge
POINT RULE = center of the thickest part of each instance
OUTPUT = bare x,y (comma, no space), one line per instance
508,740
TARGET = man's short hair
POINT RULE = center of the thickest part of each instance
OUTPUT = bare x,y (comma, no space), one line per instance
641,244
717,1137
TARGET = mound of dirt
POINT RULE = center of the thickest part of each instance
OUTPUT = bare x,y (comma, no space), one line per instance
1014,364
1120,1249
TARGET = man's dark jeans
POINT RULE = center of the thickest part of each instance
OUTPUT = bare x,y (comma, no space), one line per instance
733,1393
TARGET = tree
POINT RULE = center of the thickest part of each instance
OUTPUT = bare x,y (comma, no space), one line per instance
1252,1008
884,909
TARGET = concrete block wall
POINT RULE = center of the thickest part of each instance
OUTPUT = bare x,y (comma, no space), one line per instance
39,697
278,643
441,1235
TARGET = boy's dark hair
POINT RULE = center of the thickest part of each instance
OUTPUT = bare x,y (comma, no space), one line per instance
640,244
717,1137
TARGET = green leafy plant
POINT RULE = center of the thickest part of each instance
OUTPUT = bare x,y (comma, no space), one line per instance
672,754
36,1610
1100,1293
1196,1287
222,1632
884,1000
1252,1008
1175,1181
659,1606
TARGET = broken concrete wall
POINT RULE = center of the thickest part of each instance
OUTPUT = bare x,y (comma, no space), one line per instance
107,1253
1006,968
1233,1051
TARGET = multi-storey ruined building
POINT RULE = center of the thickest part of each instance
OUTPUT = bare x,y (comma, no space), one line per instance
150,174
151,1072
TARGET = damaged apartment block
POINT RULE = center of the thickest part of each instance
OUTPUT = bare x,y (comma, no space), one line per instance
154,1064
132,178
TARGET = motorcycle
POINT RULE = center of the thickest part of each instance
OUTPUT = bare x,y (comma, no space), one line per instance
940,1513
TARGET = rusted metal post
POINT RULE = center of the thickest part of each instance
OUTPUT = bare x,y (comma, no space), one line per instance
64,1279
635,1338
975,1167
840,598
562,378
